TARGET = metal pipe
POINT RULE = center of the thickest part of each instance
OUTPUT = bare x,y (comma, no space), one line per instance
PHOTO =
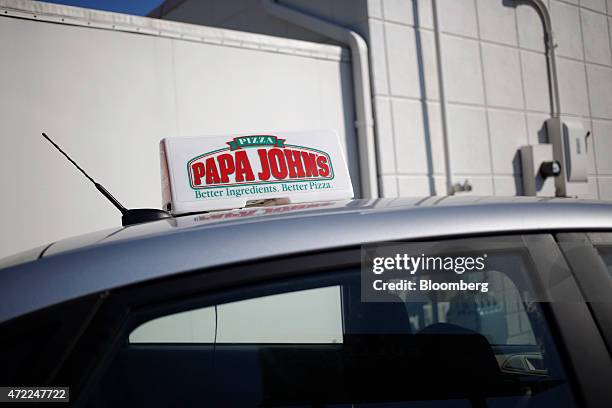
450,189
361,84
540,6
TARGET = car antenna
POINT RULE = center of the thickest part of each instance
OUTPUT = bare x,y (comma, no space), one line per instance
128,216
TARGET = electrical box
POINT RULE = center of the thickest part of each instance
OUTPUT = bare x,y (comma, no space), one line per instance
535,161
569,140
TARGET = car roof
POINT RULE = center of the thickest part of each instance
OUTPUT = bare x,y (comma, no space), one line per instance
123,256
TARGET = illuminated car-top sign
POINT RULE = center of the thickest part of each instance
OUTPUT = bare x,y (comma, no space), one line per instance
213,173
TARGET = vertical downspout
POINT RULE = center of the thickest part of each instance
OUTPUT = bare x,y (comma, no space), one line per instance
361,85
450,190
540,6
554,123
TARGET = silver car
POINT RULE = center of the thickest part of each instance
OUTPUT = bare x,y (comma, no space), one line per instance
263,306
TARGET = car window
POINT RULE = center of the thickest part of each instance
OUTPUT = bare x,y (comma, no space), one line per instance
313,341
194,326
500,314
307,316
603,243
32,346
606,255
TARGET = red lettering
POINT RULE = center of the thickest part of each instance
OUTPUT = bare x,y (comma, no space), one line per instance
324,170
310,162
294,162
198,170
212,174
278,166
226,166
264,174
243,167
276,163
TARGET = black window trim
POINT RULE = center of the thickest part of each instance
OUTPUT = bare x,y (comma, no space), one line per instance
592,275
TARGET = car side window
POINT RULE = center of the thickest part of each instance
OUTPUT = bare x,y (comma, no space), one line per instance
307,316
606,255
312,341
603,243
500,314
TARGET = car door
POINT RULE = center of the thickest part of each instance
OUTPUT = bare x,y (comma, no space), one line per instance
296,332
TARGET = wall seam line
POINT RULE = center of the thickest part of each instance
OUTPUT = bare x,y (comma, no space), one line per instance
486,102
588,93
391,116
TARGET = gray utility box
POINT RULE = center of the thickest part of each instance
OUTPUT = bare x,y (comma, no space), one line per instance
569,141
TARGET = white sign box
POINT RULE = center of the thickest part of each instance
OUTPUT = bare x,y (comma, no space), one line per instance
224,172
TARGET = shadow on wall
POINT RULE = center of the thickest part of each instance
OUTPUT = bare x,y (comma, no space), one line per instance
350,137
423,90
518,171
542,135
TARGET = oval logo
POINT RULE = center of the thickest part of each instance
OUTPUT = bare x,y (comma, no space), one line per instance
258,159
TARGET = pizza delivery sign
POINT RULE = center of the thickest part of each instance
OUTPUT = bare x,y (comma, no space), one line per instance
223,172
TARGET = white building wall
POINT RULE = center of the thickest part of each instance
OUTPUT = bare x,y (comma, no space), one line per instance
495,77
496,87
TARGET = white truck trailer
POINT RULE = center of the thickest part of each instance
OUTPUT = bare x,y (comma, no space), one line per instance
108,87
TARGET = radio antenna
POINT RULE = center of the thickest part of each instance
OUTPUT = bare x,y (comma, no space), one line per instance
99,186
129,217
